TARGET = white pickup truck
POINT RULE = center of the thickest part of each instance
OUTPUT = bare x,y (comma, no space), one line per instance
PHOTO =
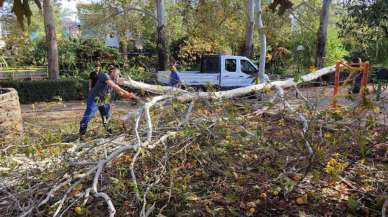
224,71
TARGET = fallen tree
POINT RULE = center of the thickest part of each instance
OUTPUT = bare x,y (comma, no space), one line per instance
184,96
167,137
157,89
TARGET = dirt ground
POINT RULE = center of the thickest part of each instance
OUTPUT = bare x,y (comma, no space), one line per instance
55,114
322,98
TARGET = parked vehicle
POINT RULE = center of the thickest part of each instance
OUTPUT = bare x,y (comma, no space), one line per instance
224,71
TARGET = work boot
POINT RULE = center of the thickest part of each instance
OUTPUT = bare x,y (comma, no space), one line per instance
109,133
82,138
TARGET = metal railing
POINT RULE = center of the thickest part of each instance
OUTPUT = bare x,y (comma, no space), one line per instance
30,73
21,73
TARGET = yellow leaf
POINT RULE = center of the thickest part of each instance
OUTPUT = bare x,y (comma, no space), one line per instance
268,57
193,198
312,68
295,176
376,109
197,173
266,90
301,200
328,136
78,210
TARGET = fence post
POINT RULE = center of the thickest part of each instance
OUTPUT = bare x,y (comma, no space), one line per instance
364,81
336,83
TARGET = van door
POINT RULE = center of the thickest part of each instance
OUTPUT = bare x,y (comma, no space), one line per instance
249,71
230,75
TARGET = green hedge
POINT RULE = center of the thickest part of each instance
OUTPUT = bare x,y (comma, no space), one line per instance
46,90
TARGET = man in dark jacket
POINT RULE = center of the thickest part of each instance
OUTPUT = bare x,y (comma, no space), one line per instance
99,98
175,81
93,76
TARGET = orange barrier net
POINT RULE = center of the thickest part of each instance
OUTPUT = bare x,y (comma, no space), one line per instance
355,68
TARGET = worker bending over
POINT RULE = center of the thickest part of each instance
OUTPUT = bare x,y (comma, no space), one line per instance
99,98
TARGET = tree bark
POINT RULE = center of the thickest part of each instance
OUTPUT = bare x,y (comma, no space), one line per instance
263,43
125,51
162,43
51,41
322,34
248,48
125,36
184,95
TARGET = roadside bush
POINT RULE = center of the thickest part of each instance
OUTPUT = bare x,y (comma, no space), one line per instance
67,56
78,58
37,53
35,91
335,49
278,61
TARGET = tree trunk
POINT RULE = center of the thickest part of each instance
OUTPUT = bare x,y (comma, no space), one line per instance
322,34
184,94
125,51
263,43
51,41
248,48
162,37
125,36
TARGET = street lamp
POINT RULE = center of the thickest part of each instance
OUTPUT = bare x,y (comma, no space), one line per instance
299,50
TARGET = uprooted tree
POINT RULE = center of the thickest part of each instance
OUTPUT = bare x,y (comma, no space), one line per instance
179,150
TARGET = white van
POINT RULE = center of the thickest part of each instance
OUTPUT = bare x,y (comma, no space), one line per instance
224,71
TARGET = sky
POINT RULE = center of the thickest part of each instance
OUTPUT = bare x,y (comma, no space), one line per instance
69,7
72,4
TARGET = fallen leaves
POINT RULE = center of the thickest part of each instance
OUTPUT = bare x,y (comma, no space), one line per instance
294,176
224,172
302,200
78,210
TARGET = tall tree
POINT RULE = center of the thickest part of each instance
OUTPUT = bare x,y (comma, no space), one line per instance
280,6
51,40
364,26
248,48
322,34
162,42
263,41
125,38
22,10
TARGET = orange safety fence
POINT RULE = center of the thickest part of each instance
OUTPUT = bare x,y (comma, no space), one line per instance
362,67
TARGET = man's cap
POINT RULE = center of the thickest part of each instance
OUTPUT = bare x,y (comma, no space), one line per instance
110,67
